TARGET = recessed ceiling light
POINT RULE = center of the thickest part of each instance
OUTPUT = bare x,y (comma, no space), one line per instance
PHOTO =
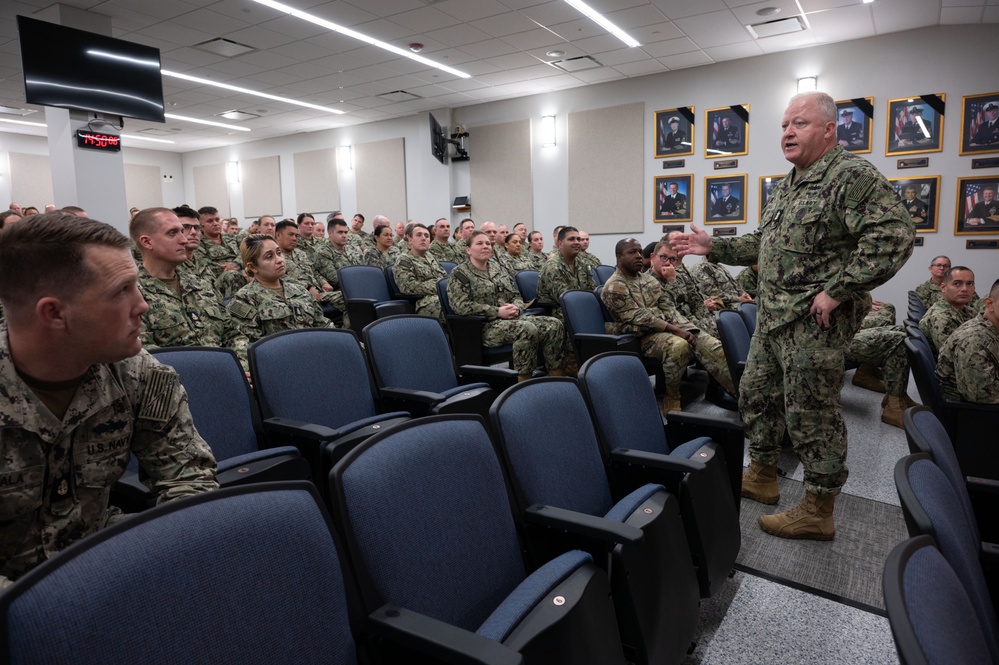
329,25
768,11
555,54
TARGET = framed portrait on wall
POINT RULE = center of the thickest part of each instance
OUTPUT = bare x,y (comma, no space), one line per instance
977,206
767,184
674,132
854,118
921,199
915,124
725,199
673,196
980,123
726,131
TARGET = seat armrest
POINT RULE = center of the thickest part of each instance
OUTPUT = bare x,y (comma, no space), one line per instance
581,524
298,428
438,639
393,307
408,395
982,485
989,553
360,301
706,422
629,457
487,372
282,467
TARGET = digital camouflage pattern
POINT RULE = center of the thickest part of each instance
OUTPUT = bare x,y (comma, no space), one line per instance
837,227
639,305
747,282
930,294
418,277
376,257
329,259
57,475
258,311
442,251
557,277
879,318
534,260
215,256
968,366
883,347
473,292
231,281
195,317
299,268
717,283
689,301
941,320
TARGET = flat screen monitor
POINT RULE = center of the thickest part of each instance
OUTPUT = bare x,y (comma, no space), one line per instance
75,69
438,143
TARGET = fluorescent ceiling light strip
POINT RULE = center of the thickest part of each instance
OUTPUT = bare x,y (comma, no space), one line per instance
133,137
599,19
205,122
329,25
24,122
247,91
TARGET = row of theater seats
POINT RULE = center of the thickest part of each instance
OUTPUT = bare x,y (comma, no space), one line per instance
622,533
941,587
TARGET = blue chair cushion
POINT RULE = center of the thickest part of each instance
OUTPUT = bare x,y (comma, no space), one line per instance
629,504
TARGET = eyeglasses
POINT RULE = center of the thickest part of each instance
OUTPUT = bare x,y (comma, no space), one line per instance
665,259
190,227
940,265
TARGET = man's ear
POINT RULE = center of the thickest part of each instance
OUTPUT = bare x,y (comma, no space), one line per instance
50,312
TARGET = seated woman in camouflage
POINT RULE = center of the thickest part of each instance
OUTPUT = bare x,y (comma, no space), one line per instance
535,251
268,304
384,252
515,258
478,287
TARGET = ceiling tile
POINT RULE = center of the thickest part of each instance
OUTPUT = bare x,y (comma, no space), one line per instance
502,25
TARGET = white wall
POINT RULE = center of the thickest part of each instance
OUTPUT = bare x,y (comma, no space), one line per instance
945,59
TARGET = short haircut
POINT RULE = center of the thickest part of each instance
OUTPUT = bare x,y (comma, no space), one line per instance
939,257
564,231
519,224
303,215
5,214
339,221
558,229
250,248
72,209
468,220
534,233
442,219
208,210
44,254
283,224
621,244
825,104
413,226
185,212
145,222
261,218
994,291
989,187
509,237
357,214
660,245
648,249
474,235
947,277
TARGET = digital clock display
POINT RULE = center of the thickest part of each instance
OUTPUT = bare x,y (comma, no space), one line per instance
98,141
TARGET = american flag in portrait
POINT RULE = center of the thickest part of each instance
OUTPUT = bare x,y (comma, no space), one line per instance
973,194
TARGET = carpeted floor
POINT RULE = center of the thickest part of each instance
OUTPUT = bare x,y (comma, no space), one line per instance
849,567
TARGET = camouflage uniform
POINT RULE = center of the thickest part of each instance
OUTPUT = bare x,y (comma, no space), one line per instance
360,241
310,245
200,268
231,281
459,251
56,476
747,281
968,366
941,320
588,260
473,292
378,258
514,264
216,256
883,347
840,228
689,300
418,277
718,283
557,277
638,304
329,259
442,251
930,294
259,311
535,260
880,318
196,317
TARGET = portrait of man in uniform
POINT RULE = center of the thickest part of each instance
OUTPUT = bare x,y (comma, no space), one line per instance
853,128
672,198
724,199
727,130
674,132
914,125
920,198
977,206
980,123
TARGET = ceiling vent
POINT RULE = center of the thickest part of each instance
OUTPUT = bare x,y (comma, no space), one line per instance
237,115
10,110
577,64
153,132
224,47
782,26
399,96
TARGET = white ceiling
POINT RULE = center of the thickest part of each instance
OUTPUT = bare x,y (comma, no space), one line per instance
503,44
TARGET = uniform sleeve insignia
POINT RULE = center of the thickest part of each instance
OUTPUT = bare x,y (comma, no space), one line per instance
157,399
240,309
860,190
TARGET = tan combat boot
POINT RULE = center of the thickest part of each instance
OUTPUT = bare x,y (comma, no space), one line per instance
671,400
556,372
812,519
869,376
524,377
759,483
891,414
905,398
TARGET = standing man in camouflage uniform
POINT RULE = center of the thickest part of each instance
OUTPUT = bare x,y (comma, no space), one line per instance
564,272
640,305
218,250
952,309
417,272
968,367
80,396
183,309
833,230
478,287
682,287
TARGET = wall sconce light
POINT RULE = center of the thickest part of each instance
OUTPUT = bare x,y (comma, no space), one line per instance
232,172
808,84
345,158
547,131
